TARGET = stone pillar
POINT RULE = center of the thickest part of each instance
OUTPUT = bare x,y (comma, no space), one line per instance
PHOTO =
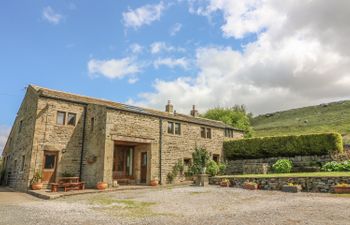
202,180
108,162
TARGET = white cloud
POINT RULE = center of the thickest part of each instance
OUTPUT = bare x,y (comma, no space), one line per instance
171,62
133,80
175,29
4,132
136,48
51,16
299,58
113,68
158,47
144,15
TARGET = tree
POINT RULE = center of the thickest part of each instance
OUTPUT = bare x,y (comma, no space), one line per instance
235,116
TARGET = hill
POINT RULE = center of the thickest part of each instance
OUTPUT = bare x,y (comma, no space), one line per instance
334,116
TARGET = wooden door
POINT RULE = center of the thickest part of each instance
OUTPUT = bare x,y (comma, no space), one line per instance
49,167
123,162
143,167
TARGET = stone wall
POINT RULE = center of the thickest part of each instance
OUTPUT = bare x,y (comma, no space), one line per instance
20,142
300,163
308,184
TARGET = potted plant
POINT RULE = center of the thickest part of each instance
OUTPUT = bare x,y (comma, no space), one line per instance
250,185
290,187
342,188
35,182
154,182
101,185
225,183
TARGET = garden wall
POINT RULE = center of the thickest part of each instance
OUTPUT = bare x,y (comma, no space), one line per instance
300,164
309,184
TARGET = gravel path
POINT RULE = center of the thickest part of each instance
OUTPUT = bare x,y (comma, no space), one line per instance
182,205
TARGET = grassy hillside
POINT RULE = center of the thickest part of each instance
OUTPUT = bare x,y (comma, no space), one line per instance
329,117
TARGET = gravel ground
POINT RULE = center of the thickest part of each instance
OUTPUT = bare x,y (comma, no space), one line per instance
182,205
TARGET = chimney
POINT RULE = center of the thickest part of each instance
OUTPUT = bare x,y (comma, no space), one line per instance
169,108
194,112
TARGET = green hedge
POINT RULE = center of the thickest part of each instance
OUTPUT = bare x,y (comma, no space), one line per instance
284,146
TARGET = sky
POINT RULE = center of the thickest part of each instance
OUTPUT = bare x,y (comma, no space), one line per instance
269,55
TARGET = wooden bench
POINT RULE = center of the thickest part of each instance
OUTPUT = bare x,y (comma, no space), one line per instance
68,183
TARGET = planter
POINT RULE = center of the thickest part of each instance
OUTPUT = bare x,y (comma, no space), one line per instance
341,190
225,184
153,182
291,188
37,186
101,185
250,186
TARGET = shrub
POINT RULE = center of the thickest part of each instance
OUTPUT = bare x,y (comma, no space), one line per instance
200,160
282,166
212,168
336,166
284,146
222,168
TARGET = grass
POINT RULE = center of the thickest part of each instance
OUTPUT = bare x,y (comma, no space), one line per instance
277,175
331,117
125,207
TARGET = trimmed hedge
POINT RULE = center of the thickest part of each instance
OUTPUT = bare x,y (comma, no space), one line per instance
284,146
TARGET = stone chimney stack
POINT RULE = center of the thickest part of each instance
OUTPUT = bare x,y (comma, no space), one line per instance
169,108
194,112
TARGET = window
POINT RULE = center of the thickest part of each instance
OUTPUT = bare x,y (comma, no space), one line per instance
71,119
20,126
187,162
15,166
216,158
92,123
170,127
23,162
208,133
203,132
177,128
61,118
229,133
50,161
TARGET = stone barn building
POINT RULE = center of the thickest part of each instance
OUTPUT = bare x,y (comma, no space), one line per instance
59,133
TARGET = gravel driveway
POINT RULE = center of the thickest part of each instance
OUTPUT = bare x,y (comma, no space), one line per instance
182,205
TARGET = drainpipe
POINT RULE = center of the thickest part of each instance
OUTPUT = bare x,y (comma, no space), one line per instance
82,144
160,149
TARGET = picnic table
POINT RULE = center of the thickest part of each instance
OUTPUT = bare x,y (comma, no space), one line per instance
68,183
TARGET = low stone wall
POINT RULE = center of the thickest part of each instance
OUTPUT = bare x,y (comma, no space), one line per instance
300,164
308,184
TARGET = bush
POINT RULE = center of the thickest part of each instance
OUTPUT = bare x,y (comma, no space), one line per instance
200,160
336,166
222,168
284,146
212,168
282,166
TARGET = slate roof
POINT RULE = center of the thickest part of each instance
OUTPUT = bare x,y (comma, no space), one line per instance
46,92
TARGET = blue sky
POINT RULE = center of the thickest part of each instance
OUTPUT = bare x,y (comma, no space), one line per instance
264,54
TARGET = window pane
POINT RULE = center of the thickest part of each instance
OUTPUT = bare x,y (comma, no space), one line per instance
23,161
61,117
202,132
170,127
71,118
208,133
177,128
49,161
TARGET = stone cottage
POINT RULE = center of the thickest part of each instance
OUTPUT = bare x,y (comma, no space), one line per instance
58,133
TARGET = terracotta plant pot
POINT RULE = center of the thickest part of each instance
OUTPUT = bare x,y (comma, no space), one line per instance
341,190
250,186
37,186
101,185
153,182
224,184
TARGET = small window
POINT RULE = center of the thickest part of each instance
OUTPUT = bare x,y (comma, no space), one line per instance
216,158
72,119
170,127
187,162
177,128
92,123
50,161
208,133
203,132
15,166
20,126
23,162
61,118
